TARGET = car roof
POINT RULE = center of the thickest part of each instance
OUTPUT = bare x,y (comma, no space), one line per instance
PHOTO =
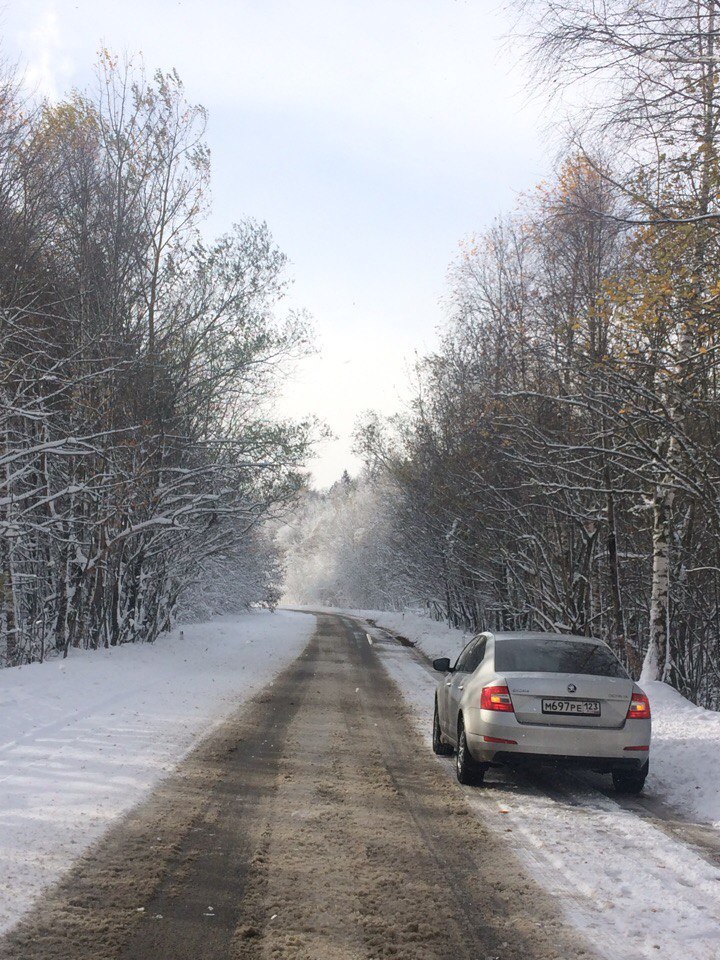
540,635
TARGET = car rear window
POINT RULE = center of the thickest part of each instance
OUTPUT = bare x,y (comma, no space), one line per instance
548,655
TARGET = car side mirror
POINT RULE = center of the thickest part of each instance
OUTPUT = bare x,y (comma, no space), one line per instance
442,665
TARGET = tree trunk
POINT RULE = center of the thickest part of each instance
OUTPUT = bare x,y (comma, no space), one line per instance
657,660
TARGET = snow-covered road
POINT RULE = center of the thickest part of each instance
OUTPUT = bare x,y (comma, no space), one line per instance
82,740
313,823
85,739
633,890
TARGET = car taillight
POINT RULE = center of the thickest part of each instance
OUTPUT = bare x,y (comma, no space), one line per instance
496,698
639,708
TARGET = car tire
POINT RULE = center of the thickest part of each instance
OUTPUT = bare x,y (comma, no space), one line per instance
441,748
630,782
469,771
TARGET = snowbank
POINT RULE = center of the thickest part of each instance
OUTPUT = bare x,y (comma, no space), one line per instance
83,739
685,759
685,764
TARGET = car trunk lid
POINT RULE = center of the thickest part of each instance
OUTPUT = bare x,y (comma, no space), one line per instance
570,700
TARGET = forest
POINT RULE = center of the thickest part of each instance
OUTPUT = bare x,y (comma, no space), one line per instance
558,466
139,452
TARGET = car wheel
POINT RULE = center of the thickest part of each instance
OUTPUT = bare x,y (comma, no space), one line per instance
469,771
626,782
441,748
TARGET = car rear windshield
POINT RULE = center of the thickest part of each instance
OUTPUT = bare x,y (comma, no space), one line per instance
548,655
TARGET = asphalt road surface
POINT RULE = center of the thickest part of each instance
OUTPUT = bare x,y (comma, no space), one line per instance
313,825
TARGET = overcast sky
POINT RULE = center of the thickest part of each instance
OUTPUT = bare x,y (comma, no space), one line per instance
371,135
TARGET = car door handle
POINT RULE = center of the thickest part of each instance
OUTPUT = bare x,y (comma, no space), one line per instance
461,686
448,683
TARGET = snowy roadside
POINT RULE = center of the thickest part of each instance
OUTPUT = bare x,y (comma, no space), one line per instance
84,739
684,767
630,889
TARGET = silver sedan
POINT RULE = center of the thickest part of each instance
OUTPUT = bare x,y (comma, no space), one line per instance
542,697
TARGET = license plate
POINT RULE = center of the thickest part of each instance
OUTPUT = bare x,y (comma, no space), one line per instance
581,708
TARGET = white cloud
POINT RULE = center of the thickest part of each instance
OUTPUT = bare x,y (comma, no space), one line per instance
47,66
405,81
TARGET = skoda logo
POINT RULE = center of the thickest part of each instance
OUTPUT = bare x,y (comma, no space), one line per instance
571,688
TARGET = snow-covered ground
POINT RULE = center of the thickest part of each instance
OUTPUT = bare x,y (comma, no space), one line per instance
685,758
83,739
633,892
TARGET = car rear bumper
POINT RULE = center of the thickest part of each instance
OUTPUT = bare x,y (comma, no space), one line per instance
599,764
594,748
